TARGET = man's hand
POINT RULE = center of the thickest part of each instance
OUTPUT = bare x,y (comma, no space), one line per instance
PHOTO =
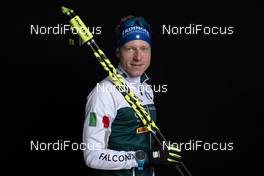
169,156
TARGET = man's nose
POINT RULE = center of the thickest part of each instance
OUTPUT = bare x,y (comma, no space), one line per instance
137,55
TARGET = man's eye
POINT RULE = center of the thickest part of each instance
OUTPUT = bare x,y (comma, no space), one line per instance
129,49
144,48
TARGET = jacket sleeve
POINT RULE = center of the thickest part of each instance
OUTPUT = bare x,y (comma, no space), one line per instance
100,112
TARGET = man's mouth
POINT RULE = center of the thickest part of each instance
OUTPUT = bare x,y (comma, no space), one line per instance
136,65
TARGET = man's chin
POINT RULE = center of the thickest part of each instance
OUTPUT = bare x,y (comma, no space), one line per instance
135,74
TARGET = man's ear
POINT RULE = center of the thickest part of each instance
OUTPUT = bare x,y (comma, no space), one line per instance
117,53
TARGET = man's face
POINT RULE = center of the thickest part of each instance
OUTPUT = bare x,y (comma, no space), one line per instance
135,57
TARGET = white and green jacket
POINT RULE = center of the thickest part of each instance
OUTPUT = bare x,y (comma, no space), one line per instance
112,131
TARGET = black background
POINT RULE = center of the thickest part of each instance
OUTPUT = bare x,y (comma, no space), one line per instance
212,82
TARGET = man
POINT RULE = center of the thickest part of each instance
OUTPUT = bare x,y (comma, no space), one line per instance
117,142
